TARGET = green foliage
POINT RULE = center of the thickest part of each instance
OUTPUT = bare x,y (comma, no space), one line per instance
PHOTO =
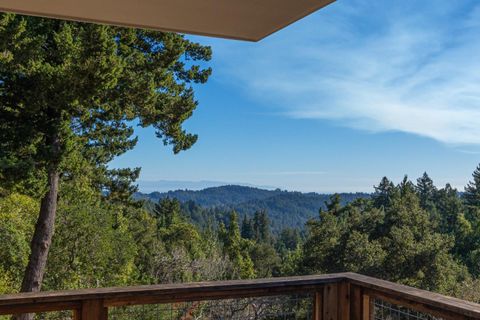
166,212
391,236
179,251
81,85
469,290
261,226
103,244
334,203
449,208
92,246
17,216
384,192
288,239
247,228
291,262
70,95
426,192
358,247
266,260
236,248
472,190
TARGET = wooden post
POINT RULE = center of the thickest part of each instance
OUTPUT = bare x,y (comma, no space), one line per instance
367,307
336,301
93,310
77,314
343,299
318,306
356,303
330,302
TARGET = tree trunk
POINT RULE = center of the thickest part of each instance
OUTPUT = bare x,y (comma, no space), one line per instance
42,237
41,241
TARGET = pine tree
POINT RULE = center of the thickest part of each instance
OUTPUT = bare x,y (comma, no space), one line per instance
472,190
233,247
289,239
334,204
69,95
233,234
261,226
406,187
383,193
449,206
247,228
166,211
426,192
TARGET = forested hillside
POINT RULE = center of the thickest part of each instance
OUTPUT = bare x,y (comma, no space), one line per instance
408,232
215,196
284,208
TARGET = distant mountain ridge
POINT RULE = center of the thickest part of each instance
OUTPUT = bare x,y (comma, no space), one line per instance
214,196
147,186
285,208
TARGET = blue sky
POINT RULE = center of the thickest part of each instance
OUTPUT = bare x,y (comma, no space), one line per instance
357,91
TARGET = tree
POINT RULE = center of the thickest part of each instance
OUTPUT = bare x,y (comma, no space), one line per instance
93,245
472,190
334,204
426,192
289,239
17,214
236,247
397,241
383,193
70,94
261,226
449,206
265,260
247,228
166,211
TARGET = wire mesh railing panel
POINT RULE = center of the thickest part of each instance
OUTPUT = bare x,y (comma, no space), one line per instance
384,310
57,315
259,308
53,315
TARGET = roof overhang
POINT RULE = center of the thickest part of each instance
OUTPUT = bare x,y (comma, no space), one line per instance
236,19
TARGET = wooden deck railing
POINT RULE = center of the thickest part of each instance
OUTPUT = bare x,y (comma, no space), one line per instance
339,296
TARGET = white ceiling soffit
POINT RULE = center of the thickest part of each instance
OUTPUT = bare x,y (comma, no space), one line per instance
235,19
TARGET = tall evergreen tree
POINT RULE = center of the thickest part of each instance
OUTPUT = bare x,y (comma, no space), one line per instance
247,228
234,246
261,226
449,206
233,232
383,193
289,239
406,187
334,204
472,190
166,211
69,94
426,192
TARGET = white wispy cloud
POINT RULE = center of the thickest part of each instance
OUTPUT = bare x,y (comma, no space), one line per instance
406,66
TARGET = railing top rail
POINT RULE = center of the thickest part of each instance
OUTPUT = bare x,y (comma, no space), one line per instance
417,296
118,296
177,292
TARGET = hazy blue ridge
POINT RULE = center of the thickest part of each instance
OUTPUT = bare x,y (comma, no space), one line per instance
284,208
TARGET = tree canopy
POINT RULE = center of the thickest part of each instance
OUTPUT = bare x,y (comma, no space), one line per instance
70,96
